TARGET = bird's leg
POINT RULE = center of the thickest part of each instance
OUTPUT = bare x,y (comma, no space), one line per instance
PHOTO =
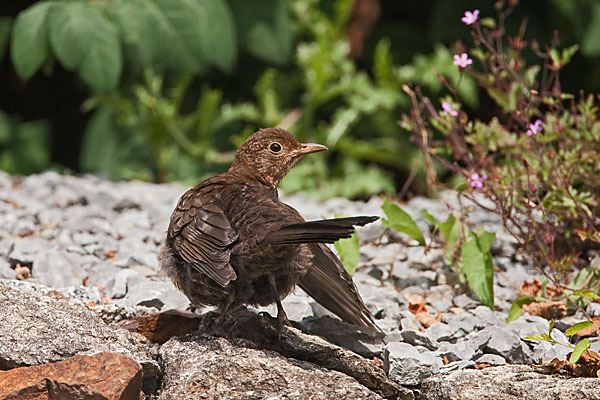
224,310
281,315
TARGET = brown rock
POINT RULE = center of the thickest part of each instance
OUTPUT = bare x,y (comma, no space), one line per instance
101,376
160,327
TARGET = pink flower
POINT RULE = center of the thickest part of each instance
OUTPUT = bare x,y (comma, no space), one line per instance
535,128
476,181
470,17
462,61
447,109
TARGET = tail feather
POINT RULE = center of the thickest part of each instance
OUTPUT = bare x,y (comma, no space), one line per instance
322,231
331,286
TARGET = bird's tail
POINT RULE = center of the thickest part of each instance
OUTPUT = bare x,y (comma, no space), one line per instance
322,231
331,286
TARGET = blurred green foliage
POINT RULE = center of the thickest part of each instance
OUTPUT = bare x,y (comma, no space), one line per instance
175,85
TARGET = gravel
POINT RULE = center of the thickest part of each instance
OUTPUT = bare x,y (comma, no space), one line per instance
98,241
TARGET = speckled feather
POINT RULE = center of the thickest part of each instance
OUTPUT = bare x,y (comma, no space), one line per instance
231,232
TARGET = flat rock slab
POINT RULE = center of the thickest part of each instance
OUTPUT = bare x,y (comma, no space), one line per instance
508,382
101,376
41,328
216,368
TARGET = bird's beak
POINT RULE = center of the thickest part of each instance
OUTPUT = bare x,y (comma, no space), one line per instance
307,148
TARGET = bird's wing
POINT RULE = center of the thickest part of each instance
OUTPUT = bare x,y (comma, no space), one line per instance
323,231
331,286
202,236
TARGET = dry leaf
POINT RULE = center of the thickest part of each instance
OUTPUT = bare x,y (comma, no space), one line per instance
549,310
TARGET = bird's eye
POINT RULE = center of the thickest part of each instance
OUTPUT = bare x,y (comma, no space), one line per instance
275,147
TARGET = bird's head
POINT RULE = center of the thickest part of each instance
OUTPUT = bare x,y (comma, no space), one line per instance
269,154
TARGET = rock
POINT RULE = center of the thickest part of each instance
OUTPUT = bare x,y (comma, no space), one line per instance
160,327
407,366
6,272
215,368
491,359
440,297
465,302
364,341
461,351
441,332
40,328
507,344
103,375
154,293
417,338
266,333
296,306
507,383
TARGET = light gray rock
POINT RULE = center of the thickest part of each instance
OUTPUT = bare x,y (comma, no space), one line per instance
593,309
440,297
441,332
214,368
407,366
6,272
465,302
160,294
487,317
460,351
296,306
492,359
364,341
40,328
507,383
507,344
417,338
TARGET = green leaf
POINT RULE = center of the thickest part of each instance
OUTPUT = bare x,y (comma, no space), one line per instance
429,218
488,22
582,346
349,251
517,307
586,293
265,29
578,327
29,46
478,267
84,39
5,29
544,337
399,220
451,230
100,143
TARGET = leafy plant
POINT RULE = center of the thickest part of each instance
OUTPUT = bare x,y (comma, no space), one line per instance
467,250
23,145
582,346
536,163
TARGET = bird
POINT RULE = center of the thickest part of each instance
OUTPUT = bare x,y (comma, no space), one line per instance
231,241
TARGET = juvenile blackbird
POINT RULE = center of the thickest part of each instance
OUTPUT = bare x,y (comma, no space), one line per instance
231,241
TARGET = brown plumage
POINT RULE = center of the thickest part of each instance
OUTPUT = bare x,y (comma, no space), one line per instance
231,241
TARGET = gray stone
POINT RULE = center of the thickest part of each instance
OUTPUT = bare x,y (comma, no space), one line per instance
440,297
56,268
595,346
296,306
417,338
548,351
160,294
492,359
408,320
507,344
465,302
509,382
478,339
117,286
407,366
458,351
487,317
214,368
6,272
458,364
364,341
441,332
40,328
593,309
527,325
